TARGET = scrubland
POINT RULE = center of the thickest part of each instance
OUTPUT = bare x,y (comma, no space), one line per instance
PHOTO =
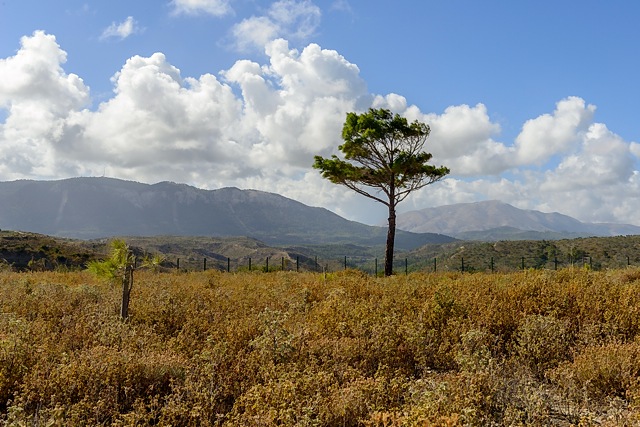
303,349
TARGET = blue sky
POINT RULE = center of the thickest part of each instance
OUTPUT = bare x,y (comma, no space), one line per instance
532,103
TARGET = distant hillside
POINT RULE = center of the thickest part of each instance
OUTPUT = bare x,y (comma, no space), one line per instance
494,220
39,252
30,251
512,233
594,252
89,208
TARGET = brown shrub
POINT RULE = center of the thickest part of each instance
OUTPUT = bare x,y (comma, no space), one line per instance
342,349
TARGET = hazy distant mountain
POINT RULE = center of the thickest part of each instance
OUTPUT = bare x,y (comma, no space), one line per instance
494,220
101,207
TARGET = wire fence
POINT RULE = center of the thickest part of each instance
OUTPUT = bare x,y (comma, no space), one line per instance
402,265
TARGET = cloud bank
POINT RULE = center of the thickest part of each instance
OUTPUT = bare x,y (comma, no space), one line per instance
258,125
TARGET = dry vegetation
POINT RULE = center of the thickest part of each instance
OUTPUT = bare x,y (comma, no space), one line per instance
345,349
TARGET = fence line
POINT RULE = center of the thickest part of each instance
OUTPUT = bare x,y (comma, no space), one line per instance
404,265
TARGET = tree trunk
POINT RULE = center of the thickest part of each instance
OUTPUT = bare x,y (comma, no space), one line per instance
127,284
391,237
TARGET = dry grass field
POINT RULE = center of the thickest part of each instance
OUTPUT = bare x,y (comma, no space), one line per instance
533,348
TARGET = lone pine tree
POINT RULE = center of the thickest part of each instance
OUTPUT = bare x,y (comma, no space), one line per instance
383,160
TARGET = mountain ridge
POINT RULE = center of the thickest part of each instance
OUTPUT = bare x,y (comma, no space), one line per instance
496,220
92,207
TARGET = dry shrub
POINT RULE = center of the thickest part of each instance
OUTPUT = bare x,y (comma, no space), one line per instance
101,383
629,275
542,342
602,372
341,349
15,356
474,351
299,398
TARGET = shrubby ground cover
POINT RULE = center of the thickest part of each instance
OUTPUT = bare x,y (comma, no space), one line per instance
304,349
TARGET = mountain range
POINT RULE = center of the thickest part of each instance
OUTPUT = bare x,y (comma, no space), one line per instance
88,208
494,220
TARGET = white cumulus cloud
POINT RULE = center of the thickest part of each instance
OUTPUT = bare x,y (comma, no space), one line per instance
121,30
38,96
291,19
603,158
553,134
258,125
254,32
